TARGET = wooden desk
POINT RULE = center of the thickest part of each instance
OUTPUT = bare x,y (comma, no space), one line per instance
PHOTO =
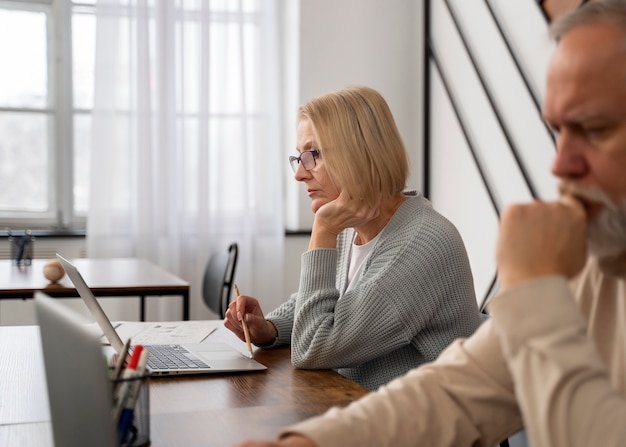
209,410
114,277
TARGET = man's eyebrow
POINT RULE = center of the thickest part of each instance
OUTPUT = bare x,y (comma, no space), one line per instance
573,120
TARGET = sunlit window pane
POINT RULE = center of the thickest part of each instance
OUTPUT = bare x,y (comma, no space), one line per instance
82,150
83,59
23,49
24,162
38,111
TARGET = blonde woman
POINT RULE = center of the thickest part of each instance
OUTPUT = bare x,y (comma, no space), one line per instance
385,284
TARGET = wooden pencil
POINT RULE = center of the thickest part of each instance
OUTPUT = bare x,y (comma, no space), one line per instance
246,333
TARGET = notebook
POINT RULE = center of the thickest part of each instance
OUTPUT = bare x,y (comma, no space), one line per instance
79,392
191,358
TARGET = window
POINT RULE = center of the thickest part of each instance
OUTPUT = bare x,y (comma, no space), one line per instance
46,97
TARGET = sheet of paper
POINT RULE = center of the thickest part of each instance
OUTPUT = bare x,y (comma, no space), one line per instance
165,332
175,332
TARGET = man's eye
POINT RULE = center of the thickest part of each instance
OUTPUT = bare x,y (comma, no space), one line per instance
594,131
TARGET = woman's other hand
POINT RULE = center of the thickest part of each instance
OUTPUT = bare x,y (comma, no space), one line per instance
248,307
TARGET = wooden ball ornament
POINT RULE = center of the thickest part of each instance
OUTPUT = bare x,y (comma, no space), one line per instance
53,270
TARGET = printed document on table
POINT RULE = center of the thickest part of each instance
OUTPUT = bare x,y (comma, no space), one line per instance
165,332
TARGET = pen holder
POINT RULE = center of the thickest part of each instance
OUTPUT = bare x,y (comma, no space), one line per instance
133,428
22,248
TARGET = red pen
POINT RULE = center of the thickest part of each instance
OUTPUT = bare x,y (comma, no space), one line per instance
134,358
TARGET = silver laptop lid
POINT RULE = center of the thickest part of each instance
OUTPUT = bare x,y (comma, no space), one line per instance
94,307
79,392
219,357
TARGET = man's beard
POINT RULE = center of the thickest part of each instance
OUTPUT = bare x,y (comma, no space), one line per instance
606,232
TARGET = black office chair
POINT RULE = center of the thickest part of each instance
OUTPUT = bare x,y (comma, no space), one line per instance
219,276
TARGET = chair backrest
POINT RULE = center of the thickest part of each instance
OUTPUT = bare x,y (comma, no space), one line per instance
219,276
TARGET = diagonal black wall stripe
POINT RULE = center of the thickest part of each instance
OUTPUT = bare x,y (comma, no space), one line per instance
518,65
434,61
489,96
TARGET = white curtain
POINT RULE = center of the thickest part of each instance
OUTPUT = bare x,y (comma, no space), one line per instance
187,155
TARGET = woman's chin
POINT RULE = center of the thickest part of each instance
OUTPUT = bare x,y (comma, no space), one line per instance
316,205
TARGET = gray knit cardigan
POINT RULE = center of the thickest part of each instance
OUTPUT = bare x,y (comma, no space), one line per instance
415,296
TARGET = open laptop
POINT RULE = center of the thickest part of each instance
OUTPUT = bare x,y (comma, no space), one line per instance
183,358
79,392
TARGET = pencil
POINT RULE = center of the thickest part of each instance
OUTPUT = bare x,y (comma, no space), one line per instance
120,361
245,327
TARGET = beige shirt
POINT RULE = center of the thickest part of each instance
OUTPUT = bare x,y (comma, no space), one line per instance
557,359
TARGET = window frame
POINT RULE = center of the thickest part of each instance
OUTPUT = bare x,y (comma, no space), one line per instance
60,113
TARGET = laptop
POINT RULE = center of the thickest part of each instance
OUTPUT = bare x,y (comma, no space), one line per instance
166,359
79,392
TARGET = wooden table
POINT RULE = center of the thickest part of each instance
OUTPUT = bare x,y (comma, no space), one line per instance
113,277
209,410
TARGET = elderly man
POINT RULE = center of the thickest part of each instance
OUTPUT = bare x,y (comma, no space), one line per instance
553,356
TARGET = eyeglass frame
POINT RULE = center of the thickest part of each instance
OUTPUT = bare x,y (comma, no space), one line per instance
315,153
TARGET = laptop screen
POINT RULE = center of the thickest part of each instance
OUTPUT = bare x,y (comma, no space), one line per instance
79,391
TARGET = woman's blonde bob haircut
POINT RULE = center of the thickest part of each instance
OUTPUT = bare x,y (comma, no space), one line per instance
359,143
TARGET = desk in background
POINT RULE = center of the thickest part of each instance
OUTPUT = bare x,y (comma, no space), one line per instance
116,277
208,410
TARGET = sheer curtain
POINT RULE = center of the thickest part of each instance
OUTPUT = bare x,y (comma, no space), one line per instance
187,155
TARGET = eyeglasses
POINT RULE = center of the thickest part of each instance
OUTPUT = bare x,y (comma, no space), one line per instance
307,158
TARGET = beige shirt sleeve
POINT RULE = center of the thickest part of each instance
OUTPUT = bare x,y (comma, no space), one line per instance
462,399
536,339
563,386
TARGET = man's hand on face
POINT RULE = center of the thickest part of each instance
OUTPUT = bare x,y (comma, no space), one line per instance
540,239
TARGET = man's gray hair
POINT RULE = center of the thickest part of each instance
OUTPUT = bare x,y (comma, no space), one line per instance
611,12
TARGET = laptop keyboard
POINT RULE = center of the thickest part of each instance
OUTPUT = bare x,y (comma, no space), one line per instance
173,357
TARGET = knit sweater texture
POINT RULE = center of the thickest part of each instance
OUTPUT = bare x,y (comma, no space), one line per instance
415,296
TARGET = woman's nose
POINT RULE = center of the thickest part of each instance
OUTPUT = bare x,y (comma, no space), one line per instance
301,174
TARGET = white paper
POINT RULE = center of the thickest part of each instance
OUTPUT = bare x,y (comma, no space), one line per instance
165,332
